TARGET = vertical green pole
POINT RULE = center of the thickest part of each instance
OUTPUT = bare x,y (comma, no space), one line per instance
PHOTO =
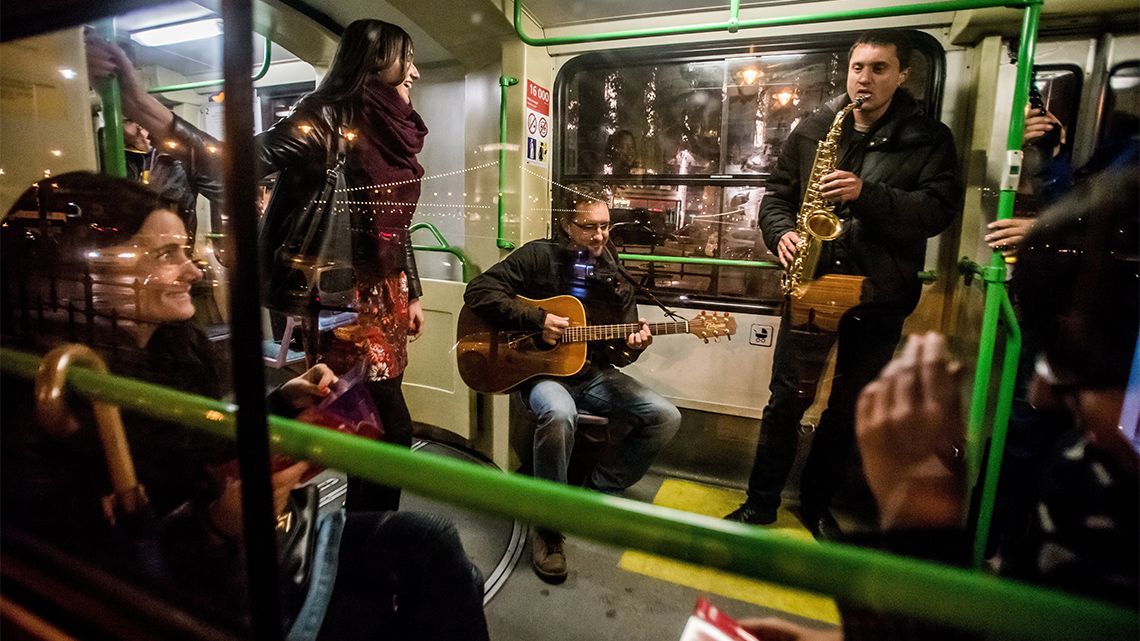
1001,424
113,156
504,82
997,297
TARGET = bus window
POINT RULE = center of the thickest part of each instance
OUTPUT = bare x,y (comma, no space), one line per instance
685,140
1120,109
1060,89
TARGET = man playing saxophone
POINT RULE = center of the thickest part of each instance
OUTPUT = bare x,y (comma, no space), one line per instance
893,181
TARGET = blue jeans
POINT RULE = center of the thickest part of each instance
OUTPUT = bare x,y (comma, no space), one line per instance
643,422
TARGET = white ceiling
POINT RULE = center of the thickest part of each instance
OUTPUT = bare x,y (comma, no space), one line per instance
202,58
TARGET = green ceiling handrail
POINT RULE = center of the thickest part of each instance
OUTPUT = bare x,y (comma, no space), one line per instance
265,63
884,582
734,24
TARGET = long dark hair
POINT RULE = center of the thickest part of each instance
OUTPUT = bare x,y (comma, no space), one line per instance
366,47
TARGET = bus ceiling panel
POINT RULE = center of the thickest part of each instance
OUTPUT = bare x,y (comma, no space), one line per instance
702,21
342,12
1057,16
471,29
23,19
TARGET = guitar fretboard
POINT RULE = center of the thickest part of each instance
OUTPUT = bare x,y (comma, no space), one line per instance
607,332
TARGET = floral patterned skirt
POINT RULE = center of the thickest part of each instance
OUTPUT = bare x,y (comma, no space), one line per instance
380,334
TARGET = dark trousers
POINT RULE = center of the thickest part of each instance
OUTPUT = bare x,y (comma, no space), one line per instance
867,341
366,496
404,576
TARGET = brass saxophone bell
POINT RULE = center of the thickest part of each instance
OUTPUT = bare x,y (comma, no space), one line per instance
824,225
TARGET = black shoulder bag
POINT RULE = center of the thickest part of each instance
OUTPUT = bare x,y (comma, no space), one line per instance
312,268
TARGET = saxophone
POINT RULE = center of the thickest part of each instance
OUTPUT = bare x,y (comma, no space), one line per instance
816,221
816,306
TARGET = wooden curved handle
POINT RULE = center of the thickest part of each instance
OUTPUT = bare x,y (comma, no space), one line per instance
56,418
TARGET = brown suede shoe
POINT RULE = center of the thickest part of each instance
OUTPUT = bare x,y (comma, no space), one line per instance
547,556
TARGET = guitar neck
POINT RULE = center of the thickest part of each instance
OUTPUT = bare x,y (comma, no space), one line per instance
608,332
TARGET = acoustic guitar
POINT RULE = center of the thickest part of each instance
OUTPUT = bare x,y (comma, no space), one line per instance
493,361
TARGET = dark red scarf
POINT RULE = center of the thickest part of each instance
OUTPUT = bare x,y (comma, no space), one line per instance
390,134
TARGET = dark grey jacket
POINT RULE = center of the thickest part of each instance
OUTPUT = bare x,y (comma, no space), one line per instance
912,190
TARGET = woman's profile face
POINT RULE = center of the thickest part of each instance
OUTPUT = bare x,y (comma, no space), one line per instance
157,263
403,83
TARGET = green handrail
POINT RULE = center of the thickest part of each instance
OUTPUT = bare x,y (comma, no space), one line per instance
470,269
698,260
504,82
734,24
884,582
264,69
996,307
925,276
113,153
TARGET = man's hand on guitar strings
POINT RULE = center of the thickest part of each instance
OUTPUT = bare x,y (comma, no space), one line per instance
552,328
642,338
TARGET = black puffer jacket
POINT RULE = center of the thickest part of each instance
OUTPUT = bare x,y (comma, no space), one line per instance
545,268
301,146
912,190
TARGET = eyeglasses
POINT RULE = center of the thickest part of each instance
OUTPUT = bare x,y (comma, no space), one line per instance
592,228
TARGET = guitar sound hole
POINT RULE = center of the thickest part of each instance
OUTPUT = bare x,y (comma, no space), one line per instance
542,345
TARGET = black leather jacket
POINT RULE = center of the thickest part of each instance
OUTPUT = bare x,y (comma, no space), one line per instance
301,146
912,190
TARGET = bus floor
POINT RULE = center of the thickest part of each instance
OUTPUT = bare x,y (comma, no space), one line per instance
611,593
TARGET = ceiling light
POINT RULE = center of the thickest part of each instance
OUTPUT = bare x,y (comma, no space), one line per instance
178,32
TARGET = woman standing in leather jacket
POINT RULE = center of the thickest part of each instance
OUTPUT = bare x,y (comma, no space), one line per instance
363,107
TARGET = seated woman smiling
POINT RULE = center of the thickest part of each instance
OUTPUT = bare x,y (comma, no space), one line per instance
104,261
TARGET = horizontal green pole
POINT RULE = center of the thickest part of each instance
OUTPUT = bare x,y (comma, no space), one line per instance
219,81
697,260
732,25
925,276
873,579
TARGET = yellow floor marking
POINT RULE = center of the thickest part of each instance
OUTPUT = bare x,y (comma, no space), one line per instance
715,501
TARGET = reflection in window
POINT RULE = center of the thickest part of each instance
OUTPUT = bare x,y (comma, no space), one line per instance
1060,89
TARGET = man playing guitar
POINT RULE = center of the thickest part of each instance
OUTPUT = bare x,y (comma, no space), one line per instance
578,262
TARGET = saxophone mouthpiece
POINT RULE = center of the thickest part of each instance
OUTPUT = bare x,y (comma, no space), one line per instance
859,102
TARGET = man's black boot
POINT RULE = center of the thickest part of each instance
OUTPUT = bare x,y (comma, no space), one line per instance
752,515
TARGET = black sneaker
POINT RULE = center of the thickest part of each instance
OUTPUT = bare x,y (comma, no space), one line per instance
752,515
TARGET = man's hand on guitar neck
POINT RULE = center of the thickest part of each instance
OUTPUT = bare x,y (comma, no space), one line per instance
552,328
640,339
